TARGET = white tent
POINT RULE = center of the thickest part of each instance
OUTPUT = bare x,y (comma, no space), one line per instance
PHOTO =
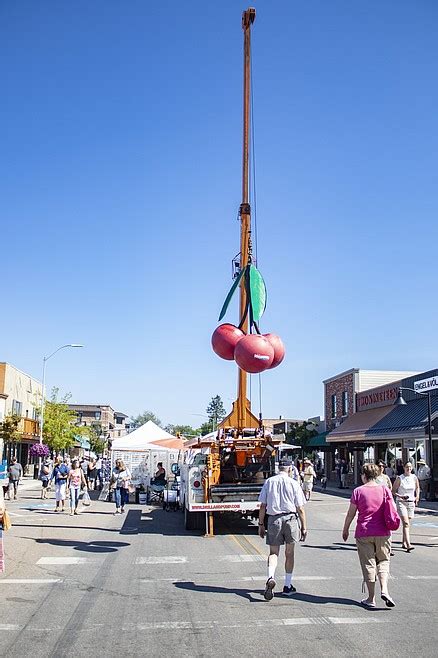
142,438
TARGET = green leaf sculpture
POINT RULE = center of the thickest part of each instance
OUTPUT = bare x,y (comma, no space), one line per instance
231,293
256,293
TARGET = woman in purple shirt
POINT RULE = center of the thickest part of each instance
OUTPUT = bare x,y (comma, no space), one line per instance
373,539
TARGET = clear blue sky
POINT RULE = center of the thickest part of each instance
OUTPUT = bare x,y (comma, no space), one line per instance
120,184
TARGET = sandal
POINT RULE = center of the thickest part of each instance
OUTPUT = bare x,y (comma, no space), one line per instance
366,604
411,548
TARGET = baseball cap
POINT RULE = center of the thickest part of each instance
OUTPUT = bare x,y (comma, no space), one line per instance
285,462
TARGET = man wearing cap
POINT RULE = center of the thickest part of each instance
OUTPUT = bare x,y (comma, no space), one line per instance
423,475
283,501
308,474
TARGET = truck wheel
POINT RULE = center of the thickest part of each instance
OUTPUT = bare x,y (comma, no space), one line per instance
192,520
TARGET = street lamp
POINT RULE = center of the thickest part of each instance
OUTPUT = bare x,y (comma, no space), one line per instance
400,401
45,359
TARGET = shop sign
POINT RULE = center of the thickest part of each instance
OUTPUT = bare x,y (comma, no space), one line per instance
424,385
409,443
378,397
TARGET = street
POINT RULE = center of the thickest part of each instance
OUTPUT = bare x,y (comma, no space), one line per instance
139,584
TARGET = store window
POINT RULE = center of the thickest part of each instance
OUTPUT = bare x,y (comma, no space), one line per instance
345,403
334,406
17,407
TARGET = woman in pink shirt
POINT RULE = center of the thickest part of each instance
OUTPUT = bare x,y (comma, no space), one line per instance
373,539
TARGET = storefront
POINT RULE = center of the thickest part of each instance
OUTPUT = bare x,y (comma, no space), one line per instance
381,429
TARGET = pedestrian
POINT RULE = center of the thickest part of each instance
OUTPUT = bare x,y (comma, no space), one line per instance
44,476
120,480
75,479
373,539
338,468
99,474
308,475
344,473
424,477
91,474
406,491
382,478
282,500
60,475
15,474
389,471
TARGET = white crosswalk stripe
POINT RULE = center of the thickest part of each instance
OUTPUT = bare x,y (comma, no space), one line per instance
161,559
62,560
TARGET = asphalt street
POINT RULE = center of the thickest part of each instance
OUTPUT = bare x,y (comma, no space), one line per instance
139,584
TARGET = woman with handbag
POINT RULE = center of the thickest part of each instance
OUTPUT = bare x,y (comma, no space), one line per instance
75,479
376,518
120,483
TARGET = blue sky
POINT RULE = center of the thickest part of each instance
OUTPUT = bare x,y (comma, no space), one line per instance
120,183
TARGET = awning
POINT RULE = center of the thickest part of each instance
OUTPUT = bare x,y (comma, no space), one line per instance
319,441
357,426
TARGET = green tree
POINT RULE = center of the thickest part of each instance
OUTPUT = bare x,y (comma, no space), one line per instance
95,436
59,430
215,411
184,430
143,418
9,431
300,434
206,428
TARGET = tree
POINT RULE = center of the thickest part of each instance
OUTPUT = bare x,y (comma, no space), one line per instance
216,411
206,428
94,435
143,418
185,430
9,431
301,433
59,430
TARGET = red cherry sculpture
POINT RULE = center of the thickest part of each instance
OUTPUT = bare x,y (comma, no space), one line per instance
279,349
254,353
225,339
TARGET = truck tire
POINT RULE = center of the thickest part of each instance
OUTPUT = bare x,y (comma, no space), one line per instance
192,520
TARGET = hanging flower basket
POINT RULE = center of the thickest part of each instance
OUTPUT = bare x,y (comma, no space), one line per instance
39,450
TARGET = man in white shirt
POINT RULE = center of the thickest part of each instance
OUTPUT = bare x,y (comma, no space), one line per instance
423,475
283,501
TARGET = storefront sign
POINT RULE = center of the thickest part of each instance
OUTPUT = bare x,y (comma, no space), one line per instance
409,443
377,397
424,385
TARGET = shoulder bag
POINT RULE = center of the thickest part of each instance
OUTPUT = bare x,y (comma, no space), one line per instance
392,519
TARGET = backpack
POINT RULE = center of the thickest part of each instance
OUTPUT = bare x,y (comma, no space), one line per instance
392,519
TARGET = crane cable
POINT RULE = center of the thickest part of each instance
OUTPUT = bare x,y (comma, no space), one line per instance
253,195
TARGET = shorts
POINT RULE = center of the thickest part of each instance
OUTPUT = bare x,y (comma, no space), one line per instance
373,555
45,483
307,486
282,529
405,508
60,491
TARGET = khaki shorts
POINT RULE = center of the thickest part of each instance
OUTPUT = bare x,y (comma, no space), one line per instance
405,508
282,529
374,555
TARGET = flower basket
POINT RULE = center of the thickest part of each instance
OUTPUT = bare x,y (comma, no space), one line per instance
39,450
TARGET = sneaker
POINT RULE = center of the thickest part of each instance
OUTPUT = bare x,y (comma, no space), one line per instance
269,589
289,590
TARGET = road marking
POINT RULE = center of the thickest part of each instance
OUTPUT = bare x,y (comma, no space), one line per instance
245,557
422,577
425,525
62,560
29,581
219,624
9,627
161,559
250,578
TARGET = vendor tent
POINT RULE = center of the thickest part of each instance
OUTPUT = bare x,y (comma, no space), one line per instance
142,438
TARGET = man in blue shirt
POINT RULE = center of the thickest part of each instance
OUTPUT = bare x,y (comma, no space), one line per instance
60,474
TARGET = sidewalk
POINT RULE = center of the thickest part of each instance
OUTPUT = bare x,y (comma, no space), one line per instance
423,508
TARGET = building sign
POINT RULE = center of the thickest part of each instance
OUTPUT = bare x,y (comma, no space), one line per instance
409,443
377,397
424,385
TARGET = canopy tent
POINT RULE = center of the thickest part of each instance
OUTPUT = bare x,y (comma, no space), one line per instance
144,437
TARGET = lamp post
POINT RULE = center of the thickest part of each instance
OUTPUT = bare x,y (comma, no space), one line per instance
45,359
400,401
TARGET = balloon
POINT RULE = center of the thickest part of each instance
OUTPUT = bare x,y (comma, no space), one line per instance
225,339
279,349
254,353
